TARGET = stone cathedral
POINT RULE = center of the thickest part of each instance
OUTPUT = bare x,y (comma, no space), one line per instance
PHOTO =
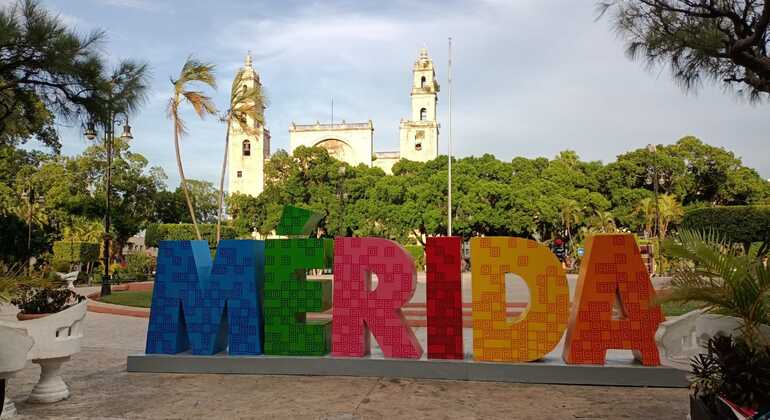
349,142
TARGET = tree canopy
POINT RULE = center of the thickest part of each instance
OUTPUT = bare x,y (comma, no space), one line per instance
700,40
539,198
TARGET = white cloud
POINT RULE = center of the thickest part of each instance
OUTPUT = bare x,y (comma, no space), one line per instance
132,4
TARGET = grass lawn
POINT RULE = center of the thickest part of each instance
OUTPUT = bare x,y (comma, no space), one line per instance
678,308
137,299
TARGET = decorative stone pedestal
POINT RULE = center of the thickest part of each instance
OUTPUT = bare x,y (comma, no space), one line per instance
9,410
51,387
56,337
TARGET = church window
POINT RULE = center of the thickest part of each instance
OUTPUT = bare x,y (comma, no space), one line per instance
240,174
418,138
423,114
422,82
246,148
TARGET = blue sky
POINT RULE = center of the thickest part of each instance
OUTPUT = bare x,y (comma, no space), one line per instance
531,77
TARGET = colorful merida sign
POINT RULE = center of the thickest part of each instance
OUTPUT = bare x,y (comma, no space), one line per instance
254,297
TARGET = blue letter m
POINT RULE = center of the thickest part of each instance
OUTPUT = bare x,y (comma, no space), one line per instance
191,296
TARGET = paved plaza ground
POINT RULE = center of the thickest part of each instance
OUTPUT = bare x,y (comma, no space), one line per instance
102,389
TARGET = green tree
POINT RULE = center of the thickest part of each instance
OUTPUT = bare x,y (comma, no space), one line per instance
647,210
690,169
204,198
46,69
193,71
602,222
671,211
719,41
170,207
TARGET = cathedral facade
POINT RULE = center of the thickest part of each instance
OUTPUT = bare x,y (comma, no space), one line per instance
352,143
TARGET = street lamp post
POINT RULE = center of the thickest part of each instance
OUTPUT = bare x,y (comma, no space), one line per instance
29,196
109,131
653,150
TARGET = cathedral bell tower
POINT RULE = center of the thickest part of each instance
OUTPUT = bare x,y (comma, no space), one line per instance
419,134
248,151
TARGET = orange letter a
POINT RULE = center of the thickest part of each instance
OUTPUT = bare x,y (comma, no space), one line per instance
612,269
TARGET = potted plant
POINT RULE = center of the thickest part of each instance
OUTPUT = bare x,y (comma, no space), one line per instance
732,287
53,319
731,381
35,303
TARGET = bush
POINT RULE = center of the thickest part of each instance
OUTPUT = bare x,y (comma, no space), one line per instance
76,252
418,253
184,231
739,224
61,266
138,267
733,369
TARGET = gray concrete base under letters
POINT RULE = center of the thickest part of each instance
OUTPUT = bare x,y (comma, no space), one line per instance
544,372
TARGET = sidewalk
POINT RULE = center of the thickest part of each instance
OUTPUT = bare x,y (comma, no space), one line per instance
101,389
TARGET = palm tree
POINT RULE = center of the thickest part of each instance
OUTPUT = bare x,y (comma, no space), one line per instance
247,106
722,278
671,211
646,208
603,221
193,71
570,217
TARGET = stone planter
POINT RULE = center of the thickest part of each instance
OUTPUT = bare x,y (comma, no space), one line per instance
57,337
14,346
682,337
709,325
26,317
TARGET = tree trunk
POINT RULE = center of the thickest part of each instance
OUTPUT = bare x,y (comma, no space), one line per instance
222,181
183,180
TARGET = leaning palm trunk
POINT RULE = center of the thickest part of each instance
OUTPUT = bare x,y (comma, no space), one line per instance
222,181
183,180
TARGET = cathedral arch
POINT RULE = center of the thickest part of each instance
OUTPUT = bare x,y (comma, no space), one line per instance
337,148
423,114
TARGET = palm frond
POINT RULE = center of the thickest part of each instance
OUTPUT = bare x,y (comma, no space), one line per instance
715,273
195,71
202,104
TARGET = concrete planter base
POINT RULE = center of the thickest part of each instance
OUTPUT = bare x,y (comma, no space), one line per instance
8,409
51,387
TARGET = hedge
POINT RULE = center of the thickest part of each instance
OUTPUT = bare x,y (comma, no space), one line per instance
740,224
184,231
76,252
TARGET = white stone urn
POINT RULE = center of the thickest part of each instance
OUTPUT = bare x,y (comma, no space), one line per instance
14,346
677,339
57,337
709,325
70,278
682,337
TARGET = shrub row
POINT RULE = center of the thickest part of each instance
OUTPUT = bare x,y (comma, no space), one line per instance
740,224
184,231
75,252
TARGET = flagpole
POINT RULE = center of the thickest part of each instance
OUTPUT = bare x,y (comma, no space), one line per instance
449,174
